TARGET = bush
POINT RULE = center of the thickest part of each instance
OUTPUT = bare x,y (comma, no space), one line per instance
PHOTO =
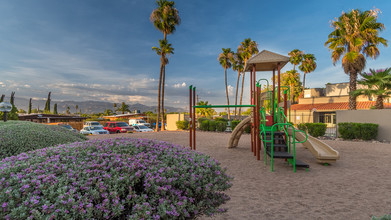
182,125
234,123
120,178
204,125
247,129
221,126
200,120
221,119
314,129
364,131
212,126
22,136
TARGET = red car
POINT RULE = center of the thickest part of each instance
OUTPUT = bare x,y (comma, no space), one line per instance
118,127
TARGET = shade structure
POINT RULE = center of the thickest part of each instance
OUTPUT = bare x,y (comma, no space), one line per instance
266,61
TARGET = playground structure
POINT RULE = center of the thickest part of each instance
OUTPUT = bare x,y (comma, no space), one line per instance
270,118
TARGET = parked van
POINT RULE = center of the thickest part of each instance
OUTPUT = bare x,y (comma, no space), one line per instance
139,122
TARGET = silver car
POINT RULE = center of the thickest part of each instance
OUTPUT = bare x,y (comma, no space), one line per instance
93,130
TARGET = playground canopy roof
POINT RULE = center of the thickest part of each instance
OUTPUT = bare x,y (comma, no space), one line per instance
266,61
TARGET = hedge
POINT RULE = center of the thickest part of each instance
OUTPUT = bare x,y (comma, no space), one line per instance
351,130
182,125
212,125
234,123
221,126
204,125
314,129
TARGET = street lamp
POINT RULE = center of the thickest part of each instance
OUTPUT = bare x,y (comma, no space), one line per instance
5,107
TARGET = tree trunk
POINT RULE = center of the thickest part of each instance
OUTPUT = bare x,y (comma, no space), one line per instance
158,98
379,102
163,83
241,97
302,92
291,95
236,96
352,87
226,91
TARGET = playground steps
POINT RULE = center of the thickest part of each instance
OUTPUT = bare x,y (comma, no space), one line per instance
280,148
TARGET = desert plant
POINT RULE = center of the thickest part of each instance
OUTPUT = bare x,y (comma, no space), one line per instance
21,136
112,179
182,125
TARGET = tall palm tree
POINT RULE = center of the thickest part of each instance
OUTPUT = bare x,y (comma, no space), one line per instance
296,56
206,112
164,50
307,65
123,108
355,36
378,83
237,65
247,48
225,61
292,79
165,17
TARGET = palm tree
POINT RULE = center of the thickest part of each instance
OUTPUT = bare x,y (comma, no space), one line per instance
76,107
238,65
307,65
247,48
165,17
123,108
108,112
164,50
292,79
225,60
355,36
378,83
296,56
68,112
206,112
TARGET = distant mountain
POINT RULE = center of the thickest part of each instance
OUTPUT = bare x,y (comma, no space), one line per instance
85,107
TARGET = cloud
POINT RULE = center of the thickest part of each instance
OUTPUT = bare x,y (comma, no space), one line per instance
230,90
179,85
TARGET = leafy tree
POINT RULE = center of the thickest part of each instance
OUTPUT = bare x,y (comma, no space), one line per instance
291,78
55,109
68,112
206,112
114,107
108,112
76,107
377,83
308,65
296,56
225,61
165,18
164,50
2,98
123,108
237,65
30,104
355,36
47,105
21,111
247,112
247,49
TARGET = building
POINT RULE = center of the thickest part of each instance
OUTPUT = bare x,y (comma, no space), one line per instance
321,104
50,118
128,116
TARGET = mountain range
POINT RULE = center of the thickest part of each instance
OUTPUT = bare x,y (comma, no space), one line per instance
87,107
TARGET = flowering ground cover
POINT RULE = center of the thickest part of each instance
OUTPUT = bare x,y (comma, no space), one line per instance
119,178
22,136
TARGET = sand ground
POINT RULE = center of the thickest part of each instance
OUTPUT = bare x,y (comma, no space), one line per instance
357,186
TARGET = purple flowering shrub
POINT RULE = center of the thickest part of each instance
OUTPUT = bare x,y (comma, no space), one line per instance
22,136
113,178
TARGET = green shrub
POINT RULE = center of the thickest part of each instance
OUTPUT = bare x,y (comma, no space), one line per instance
22,136
204,125
248,129
314,129
384,217
364,131
221,126
182,125
221,119
120,178
212,126
234,123
200,120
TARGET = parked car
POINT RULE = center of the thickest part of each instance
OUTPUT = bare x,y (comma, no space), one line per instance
91,123
160,125
142,128
93,130
118,127
138,122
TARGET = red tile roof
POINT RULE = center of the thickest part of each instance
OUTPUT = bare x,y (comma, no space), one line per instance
336,106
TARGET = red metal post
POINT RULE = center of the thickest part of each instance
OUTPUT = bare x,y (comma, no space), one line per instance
273,95
194,118
252,103
190,116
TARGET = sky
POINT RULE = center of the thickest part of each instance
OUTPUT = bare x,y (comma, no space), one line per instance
101,50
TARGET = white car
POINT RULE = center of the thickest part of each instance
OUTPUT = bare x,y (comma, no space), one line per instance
141,128
91,123
138,122
93,130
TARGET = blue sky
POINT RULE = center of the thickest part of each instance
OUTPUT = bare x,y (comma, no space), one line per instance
101,50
